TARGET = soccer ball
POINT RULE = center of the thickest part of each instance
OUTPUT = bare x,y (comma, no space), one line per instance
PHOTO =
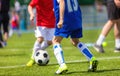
41,57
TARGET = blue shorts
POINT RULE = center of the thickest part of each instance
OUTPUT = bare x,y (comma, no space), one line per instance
73,34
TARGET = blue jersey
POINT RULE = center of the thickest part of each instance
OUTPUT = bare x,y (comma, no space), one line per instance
72,15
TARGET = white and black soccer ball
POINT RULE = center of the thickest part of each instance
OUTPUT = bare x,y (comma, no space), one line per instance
42,57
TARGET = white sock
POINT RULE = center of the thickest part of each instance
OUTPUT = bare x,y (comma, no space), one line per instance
100,40
85,51
117,43
35,48
10,32
62,64
44,45
58,52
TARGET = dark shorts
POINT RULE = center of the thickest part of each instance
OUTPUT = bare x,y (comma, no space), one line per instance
113,11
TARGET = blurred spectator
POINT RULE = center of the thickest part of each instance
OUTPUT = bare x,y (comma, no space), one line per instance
99,5
14,22
4,21
17,7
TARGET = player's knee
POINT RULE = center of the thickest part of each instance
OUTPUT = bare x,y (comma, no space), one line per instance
40,39
56,40
115,21
74,43
49,42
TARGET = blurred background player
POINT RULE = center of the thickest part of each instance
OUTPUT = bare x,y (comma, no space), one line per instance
99,5
44,31
4,21
69,23
113,20
17,6
14,22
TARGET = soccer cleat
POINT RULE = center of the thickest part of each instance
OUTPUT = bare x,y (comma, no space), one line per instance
30,63
62,70
117,50
93,65
98,48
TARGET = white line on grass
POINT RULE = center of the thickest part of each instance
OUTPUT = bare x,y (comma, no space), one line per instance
14,66
73,61
102,58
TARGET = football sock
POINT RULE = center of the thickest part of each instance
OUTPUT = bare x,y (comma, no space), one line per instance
58,52
85,51
10,32
100,40
36,45
117,43
35,48
44,45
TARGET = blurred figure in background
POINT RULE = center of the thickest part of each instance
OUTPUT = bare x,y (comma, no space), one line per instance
14,22
99,5
113,21
4,21
17,7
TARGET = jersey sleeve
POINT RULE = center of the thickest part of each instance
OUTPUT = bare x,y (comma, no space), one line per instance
33,3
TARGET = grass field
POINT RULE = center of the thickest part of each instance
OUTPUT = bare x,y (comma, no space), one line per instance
14,57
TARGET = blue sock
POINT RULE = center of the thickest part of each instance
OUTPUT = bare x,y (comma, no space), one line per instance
83,48
58,52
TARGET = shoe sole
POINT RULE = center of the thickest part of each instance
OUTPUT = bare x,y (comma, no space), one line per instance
94,66
63,72
95,63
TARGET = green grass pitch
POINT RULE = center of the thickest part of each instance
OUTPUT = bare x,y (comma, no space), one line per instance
17,53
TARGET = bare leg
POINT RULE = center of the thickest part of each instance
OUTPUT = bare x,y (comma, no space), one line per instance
117,36
106,29
6,36
117,31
